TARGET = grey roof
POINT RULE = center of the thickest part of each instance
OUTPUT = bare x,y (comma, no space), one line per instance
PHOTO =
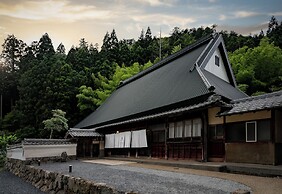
45,141
166,85
224,88
211,100
256,103
74,132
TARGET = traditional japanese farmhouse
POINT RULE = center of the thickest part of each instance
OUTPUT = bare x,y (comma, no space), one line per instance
188,106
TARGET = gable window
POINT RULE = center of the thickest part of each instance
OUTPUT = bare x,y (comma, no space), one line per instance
251,131
216,59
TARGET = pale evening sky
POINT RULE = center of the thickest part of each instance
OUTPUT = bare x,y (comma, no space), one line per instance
68,21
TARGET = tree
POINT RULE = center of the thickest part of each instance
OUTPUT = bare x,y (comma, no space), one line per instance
90,99
274,32
58,122
86,98
61,49
13,50
12,53
258,69
45,47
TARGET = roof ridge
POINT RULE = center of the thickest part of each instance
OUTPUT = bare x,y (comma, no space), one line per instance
168,59
262,96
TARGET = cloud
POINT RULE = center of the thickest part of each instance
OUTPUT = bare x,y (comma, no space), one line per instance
244,14
244,30
222,17
155,3
275,14
164,19
50,10
212,1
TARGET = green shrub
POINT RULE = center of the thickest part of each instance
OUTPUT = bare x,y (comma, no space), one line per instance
4,141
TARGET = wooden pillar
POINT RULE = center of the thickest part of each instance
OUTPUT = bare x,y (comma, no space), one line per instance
101,148
205,136
91,148
224,136
273,136
166,147
83,148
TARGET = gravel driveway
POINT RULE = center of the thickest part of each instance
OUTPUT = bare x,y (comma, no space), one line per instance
142,180
11,184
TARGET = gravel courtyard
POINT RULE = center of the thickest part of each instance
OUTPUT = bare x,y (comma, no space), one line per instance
143,180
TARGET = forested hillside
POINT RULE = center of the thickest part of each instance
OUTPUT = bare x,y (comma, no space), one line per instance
36,79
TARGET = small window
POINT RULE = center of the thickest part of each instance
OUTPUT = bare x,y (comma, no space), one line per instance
197,127
251,131
171,130
216,132
188,128
179,129
216,60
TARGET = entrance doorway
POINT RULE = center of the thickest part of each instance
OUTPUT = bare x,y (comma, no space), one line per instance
87,147
216,143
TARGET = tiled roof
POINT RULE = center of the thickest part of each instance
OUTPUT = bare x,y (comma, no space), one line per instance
211,100
45,141
256,103
83,132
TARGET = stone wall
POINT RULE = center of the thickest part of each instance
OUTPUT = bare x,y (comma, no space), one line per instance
53,182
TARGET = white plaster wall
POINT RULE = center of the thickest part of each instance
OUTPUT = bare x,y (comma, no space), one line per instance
33,151
220,70
16,153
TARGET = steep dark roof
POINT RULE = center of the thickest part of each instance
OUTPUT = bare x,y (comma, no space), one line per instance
73,132
257,103
165,86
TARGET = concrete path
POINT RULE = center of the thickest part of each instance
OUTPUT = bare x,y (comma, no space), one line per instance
131,177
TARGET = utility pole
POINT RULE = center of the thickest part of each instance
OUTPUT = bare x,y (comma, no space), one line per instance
1,109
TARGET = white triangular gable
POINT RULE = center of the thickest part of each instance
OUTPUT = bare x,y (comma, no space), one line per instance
220,70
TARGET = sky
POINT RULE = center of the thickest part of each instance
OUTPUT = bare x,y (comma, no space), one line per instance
68,21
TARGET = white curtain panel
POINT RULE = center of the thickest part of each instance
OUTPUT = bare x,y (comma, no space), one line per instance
117,140
139,139
110,141
127,141
134,139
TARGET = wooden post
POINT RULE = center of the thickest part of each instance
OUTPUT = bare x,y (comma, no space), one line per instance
205,137
91,148
166,132
84,148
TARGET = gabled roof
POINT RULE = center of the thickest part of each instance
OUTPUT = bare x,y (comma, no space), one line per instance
174,82
256,103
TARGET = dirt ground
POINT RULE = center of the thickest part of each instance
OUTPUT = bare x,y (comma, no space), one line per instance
259,185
